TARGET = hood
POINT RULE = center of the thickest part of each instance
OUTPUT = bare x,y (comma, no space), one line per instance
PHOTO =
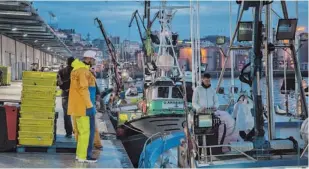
76,64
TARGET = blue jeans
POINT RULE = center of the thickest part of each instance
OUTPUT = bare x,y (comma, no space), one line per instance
91,137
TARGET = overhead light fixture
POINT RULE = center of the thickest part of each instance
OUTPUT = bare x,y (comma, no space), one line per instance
25,35
48,48
43,45
10,3
14,29
20,13
35,41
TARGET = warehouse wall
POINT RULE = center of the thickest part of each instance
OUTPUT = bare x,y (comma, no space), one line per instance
29,57
19,56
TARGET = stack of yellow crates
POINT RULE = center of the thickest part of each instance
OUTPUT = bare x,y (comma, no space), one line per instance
6,75
37,114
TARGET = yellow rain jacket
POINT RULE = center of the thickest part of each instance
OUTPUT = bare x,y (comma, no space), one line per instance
81,81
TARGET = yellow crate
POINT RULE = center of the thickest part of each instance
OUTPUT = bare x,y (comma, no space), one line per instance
39,88
35,128
37,135
40,82
37,122
45,75
38,102
32,115
48,95
37,109
35,142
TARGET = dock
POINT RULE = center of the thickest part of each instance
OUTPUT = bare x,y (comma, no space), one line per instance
113,154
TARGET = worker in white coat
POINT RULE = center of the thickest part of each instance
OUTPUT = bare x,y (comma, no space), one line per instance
244,119
204,97
231,133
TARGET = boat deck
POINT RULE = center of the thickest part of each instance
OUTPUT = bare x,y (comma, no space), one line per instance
113,154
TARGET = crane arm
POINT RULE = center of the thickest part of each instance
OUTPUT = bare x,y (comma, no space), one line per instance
112,52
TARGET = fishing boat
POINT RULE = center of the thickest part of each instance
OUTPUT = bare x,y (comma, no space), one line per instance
161,112
164,115
276,143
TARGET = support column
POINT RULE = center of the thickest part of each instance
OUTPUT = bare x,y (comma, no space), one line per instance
33,60
256,70
16,68
1,49
26,57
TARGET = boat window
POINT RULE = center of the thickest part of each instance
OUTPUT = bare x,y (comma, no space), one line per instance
163,92
176,93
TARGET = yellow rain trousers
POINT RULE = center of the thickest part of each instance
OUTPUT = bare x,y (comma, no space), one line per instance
82,125
97,139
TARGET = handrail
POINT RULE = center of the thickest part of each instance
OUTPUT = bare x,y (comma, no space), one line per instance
146,142
216,146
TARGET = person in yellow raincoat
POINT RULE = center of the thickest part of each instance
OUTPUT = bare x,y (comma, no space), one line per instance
97,140
81,107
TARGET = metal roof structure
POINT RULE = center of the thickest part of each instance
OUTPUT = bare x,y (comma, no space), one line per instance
21,22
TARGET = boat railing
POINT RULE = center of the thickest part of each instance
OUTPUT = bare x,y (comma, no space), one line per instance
149,140
304,151
204,158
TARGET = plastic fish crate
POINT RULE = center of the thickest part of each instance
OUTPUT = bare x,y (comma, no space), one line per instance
40,82
38,95
35,141
31,115
37,135
37,109
39,92
43,75
39,88
37,122
35,128
38,102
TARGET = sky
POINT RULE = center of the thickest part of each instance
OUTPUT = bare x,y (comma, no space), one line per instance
116,15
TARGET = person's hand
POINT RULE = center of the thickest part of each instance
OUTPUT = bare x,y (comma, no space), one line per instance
91,111
98,98
201,110
98,105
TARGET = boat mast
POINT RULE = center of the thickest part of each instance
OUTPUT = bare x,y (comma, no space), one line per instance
195,43
231,53
166,43
297,44
269,74
256,70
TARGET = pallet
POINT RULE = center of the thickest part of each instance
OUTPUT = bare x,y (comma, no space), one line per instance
5,85
47,149
62,145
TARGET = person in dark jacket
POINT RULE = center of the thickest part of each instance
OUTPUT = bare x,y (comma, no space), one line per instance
63,81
